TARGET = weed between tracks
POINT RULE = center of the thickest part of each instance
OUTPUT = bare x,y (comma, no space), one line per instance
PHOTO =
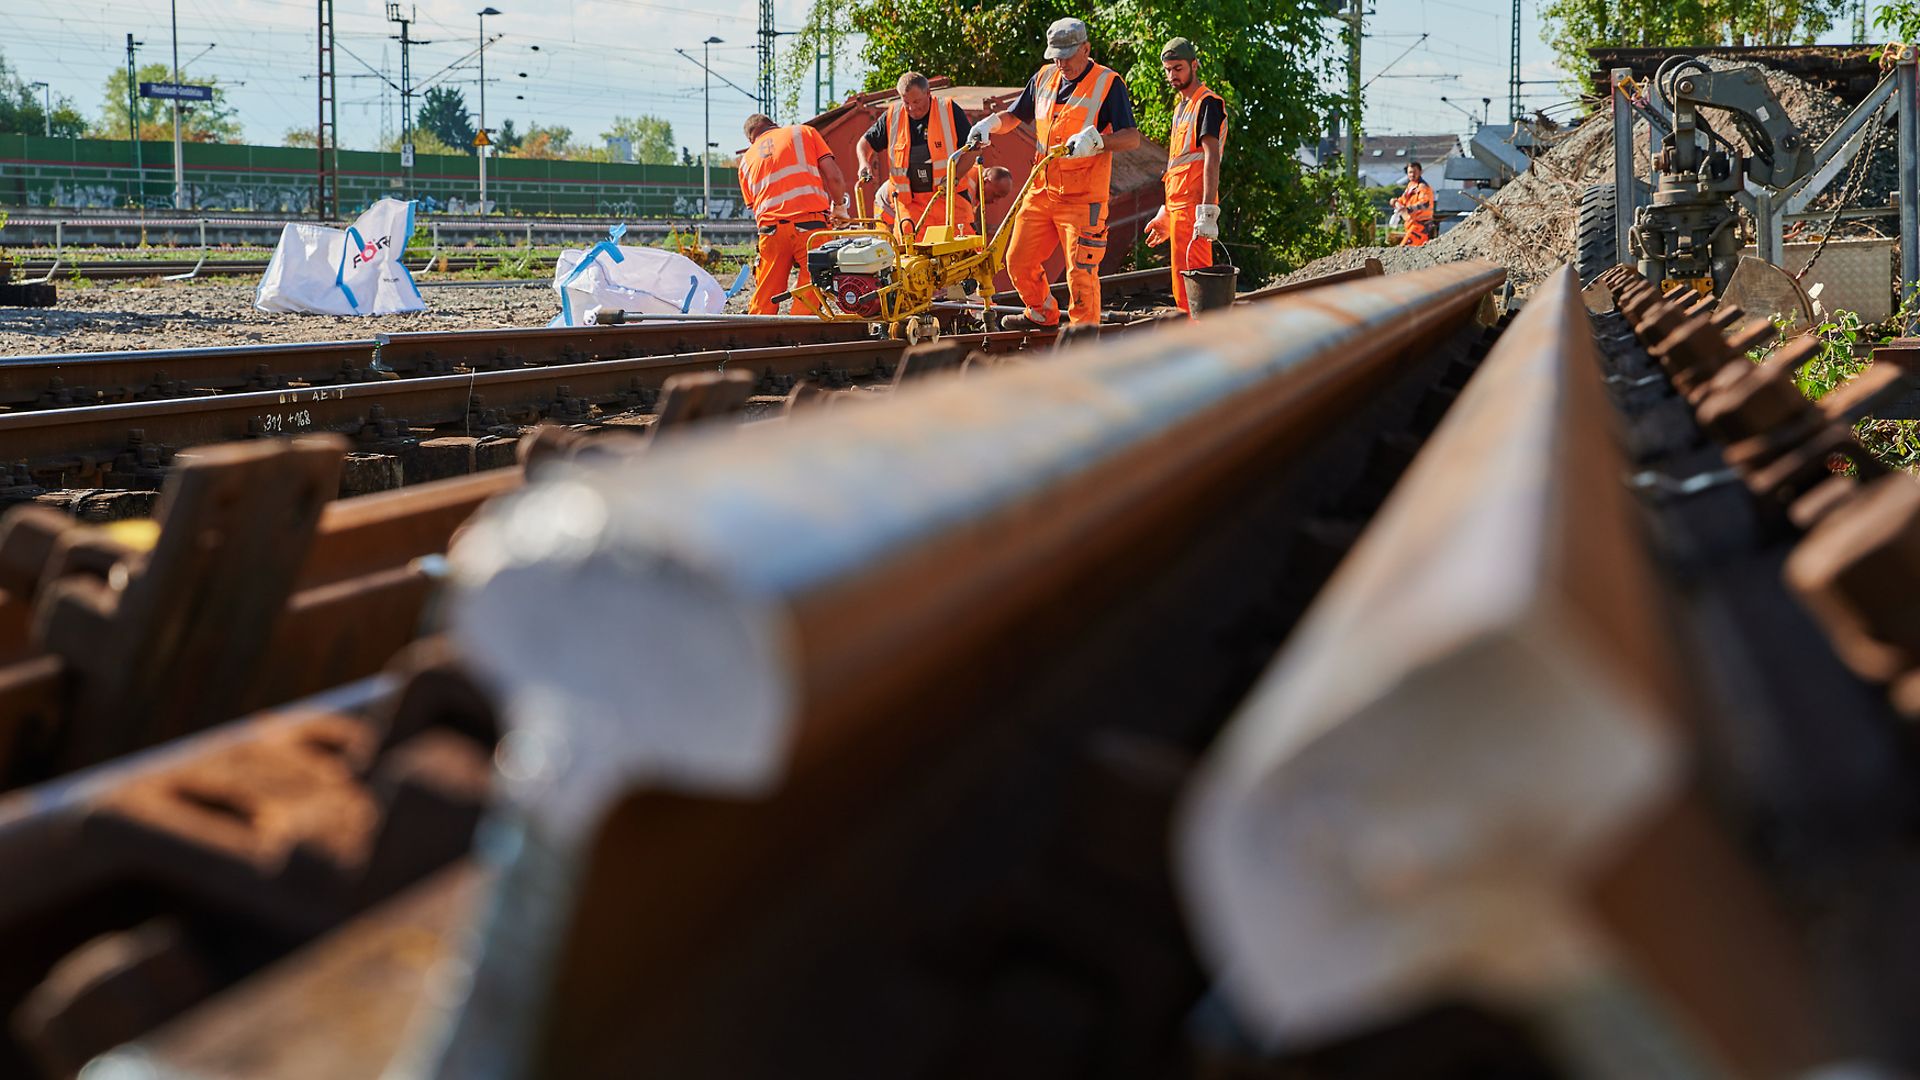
1895,442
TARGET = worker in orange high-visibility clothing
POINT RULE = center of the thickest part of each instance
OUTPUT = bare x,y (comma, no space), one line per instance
1084,107
999,186
792,184
917,134
1416,208
1190,218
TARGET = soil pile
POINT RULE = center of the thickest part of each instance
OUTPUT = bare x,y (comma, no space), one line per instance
1528,226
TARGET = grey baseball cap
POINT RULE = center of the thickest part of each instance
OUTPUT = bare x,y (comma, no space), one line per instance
1064,36
1179,49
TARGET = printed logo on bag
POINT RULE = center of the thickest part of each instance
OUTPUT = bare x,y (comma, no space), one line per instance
373,248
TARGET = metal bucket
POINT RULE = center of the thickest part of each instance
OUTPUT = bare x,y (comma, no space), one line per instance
1211,288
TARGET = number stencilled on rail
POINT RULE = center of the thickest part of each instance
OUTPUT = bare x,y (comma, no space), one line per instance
298,419
293,421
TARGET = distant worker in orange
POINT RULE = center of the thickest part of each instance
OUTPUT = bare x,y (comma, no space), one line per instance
1191,215
1083,107
1415,205
916,134
791,182
999,186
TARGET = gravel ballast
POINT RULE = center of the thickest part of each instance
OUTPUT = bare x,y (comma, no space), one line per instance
197,314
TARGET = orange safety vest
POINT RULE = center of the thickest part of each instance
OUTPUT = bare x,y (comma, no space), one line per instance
936,213
1186,175
1057,119
1417,201
781,180
942,141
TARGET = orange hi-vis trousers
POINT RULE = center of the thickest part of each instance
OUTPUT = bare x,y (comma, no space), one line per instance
783,249
1186,252
1046,224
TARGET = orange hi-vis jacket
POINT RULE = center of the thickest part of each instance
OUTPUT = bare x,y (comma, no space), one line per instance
1057,119
1416,203
1186,174
942,141
780,175
935,213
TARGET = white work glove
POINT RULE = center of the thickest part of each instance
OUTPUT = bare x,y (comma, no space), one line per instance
1206,222
1085,144
981,134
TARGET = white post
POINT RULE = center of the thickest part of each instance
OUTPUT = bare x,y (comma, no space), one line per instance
483,151
706,137
179,166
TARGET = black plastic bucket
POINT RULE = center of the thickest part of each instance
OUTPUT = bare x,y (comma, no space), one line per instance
1211,288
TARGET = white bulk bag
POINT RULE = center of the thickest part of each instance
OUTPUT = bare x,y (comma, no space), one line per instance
318,270
639,279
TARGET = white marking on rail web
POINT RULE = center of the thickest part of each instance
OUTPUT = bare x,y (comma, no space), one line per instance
293,421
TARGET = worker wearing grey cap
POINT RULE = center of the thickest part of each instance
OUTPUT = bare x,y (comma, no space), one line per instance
1082,107
1190,217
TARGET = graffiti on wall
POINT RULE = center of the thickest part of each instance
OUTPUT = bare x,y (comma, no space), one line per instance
689,206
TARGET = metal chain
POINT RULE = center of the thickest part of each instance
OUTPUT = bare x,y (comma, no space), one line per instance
1854,173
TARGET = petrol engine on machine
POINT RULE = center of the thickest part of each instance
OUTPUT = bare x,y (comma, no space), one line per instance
853,269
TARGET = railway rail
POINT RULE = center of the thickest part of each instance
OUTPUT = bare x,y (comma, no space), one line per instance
107,420
1284,393
1277,683
134,269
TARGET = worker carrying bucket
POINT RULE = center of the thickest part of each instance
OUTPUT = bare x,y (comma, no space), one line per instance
1415,207
1190,217
1081,115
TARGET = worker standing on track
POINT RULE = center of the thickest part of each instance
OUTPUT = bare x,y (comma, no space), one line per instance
1190,218
999,186
917,134
1084,107
1416,208
791,182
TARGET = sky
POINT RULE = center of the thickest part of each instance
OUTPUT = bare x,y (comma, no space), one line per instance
579,65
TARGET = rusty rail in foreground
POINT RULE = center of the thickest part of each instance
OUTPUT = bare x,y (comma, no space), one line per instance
1497,653
783,630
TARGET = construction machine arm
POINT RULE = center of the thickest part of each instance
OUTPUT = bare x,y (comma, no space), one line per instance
1780,153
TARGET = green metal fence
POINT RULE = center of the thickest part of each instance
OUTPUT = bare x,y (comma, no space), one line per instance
100,174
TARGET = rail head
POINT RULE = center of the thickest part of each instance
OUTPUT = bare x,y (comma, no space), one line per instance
766,592
1351,844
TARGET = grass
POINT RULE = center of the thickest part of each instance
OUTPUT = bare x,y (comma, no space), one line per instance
1895,442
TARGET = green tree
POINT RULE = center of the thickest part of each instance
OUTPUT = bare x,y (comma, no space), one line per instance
444,113
543,142
969,41
299,137
1574,26
1268,61
200,121
424,142
823,47
23,109
507,139
651,136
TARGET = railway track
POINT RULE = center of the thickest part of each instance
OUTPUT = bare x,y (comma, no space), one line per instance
1242,694
133,269
107,420
410,387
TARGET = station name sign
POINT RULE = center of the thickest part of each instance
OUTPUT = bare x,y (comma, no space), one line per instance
176,91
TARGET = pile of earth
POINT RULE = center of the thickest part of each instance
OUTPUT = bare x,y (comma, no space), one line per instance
1528,226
